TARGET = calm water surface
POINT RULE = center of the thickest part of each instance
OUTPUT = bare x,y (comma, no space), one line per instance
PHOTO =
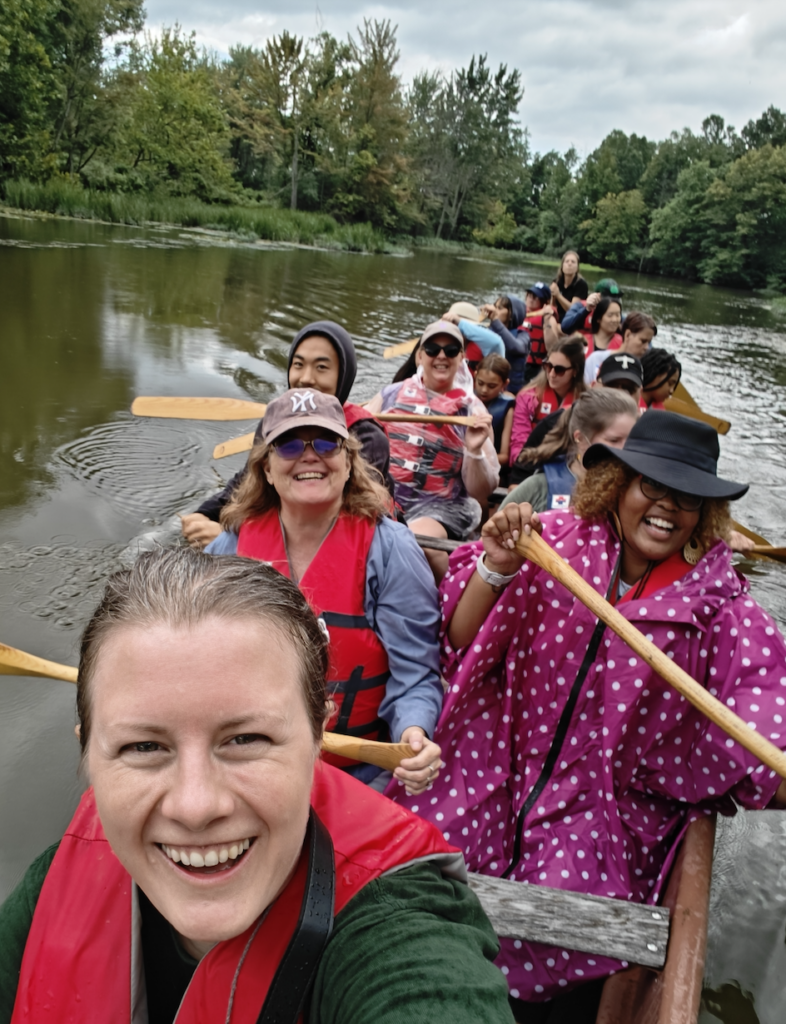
91,316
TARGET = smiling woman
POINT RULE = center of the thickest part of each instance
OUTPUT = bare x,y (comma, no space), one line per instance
212,831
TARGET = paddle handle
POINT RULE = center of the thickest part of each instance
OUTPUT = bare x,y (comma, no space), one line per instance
19,663
766,549
383,755
533,547
415,417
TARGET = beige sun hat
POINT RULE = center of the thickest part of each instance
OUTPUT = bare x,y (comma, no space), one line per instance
466,311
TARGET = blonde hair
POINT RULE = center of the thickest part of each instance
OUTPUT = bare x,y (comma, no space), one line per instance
598,494
363,495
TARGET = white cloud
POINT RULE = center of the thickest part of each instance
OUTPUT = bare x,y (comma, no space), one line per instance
645,66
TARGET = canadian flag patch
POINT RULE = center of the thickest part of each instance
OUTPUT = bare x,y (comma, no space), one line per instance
560,501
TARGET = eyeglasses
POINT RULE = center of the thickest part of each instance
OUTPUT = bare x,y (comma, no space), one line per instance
654,491
558,371
451,350
292,449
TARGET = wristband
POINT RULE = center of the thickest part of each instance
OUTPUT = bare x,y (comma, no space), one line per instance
494,579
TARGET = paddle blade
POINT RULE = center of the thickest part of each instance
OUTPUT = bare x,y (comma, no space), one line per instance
402,349
383,755
693,412
19,663
197,408
238,444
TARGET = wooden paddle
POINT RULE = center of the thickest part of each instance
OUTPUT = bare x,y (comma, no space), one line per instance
245,442
384,755
403,348
533,547
693,412
198,408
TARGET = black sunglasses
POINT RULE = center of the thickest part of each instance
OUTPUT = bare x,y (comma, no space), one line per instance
433,348
654,491
558,371
292,448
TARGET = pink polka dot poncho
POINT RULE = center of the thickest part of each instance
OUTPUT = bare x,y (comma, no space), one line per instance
637,763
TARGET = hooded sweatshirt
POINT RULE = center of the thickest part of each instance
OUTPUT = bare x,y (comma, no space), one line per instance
515,340
375,448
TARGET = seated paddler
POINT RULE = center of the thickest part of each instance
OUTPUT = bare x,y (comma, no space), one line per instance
309,505
216,868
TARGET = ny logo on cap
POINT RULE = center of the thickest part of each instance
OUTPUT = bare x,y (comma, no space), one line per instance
301,400
624,360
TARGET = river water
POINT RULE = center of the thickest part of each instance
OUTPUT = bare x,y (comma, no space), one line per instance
93,315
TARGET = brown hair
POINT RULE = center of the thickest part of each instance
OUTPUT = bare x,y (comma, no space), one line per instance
590,413
181,588
572,348
363,495
495,364
635,323
560,276
598,494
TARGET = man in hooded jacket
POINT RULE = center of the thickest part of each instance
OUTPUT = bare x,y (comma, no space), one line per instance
321,357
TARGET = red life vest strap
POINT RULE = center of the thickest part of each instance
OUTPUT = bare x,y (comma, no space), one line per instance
662,575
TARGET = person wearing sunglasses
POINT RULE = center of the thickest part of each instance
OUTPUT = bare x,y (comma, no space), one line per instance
557,386
442,473
321,356
310,506
619,763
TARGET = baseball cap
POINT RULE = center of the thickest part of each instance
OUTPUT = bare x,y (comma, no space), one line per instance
540,291
619,366
608,286
303,407
442,327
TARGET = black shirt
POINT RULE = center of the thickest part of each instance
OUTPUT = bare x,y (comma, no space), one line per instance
577,289
168,968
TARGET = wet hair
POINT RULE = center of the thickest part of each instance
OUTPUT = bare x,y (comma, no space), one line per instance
182,588
589,414
408,368
495,364
364,494
635,323
598,495
560,275
572,348
600,311
658,366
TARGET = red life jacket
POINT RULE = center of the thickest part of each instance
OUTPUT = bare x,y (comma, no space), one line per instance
533,325
589,339
83,960
550,403
473,353
353,413
662,575
426,459
335,587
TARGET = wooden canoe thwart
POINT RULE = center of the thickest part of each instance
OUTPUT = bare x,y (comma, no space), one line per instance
572,920
671,996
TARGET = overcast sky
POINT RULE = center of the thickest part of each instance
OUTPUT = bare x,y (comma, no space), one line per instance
645,66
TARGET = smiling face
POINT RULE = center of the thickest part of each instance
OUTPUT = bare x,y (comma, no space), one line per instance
315,365
439,371
652,530
311,479
611,319
201,755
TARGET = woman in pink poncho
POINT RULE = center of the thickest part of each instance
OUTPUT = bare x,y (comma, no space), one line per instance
568,761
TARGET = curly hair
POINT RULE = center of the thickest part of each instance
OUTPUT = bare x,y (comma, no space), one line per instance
363,495
598,494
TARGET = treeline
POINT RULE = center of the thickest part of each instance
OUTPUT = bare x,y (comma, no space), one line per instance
89,101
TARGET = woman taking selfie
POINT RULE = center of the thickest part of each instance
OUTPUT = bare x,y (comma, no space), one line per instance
309,507
581,765
216,869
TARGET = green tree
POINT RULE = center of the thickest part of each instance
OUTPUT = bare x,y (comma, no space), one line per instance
770,127
617,234
27,86
617,165
176,136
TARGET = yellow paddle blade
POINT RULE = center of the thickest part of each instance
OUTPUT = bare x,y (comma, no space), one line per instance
682,394
693,412
19,663
238,444
402,349
198,408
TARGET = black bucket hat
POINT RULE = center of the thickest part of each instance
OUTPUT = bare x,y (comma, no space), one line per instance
674,451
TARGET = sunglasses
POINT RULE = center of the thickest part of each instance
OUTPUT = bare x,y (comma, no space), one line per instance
451,350
293,448
558,371
654,491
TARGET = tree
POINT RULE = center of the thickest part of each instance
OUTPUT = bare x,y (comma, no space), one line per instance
770,127
617,234
617,165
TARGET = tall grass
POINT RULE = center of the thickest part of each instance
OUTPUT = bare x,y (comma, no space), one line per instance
64,198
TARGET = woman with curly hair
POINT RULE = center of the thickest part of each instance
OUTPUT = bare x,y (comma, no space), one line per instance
309,506
568,761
